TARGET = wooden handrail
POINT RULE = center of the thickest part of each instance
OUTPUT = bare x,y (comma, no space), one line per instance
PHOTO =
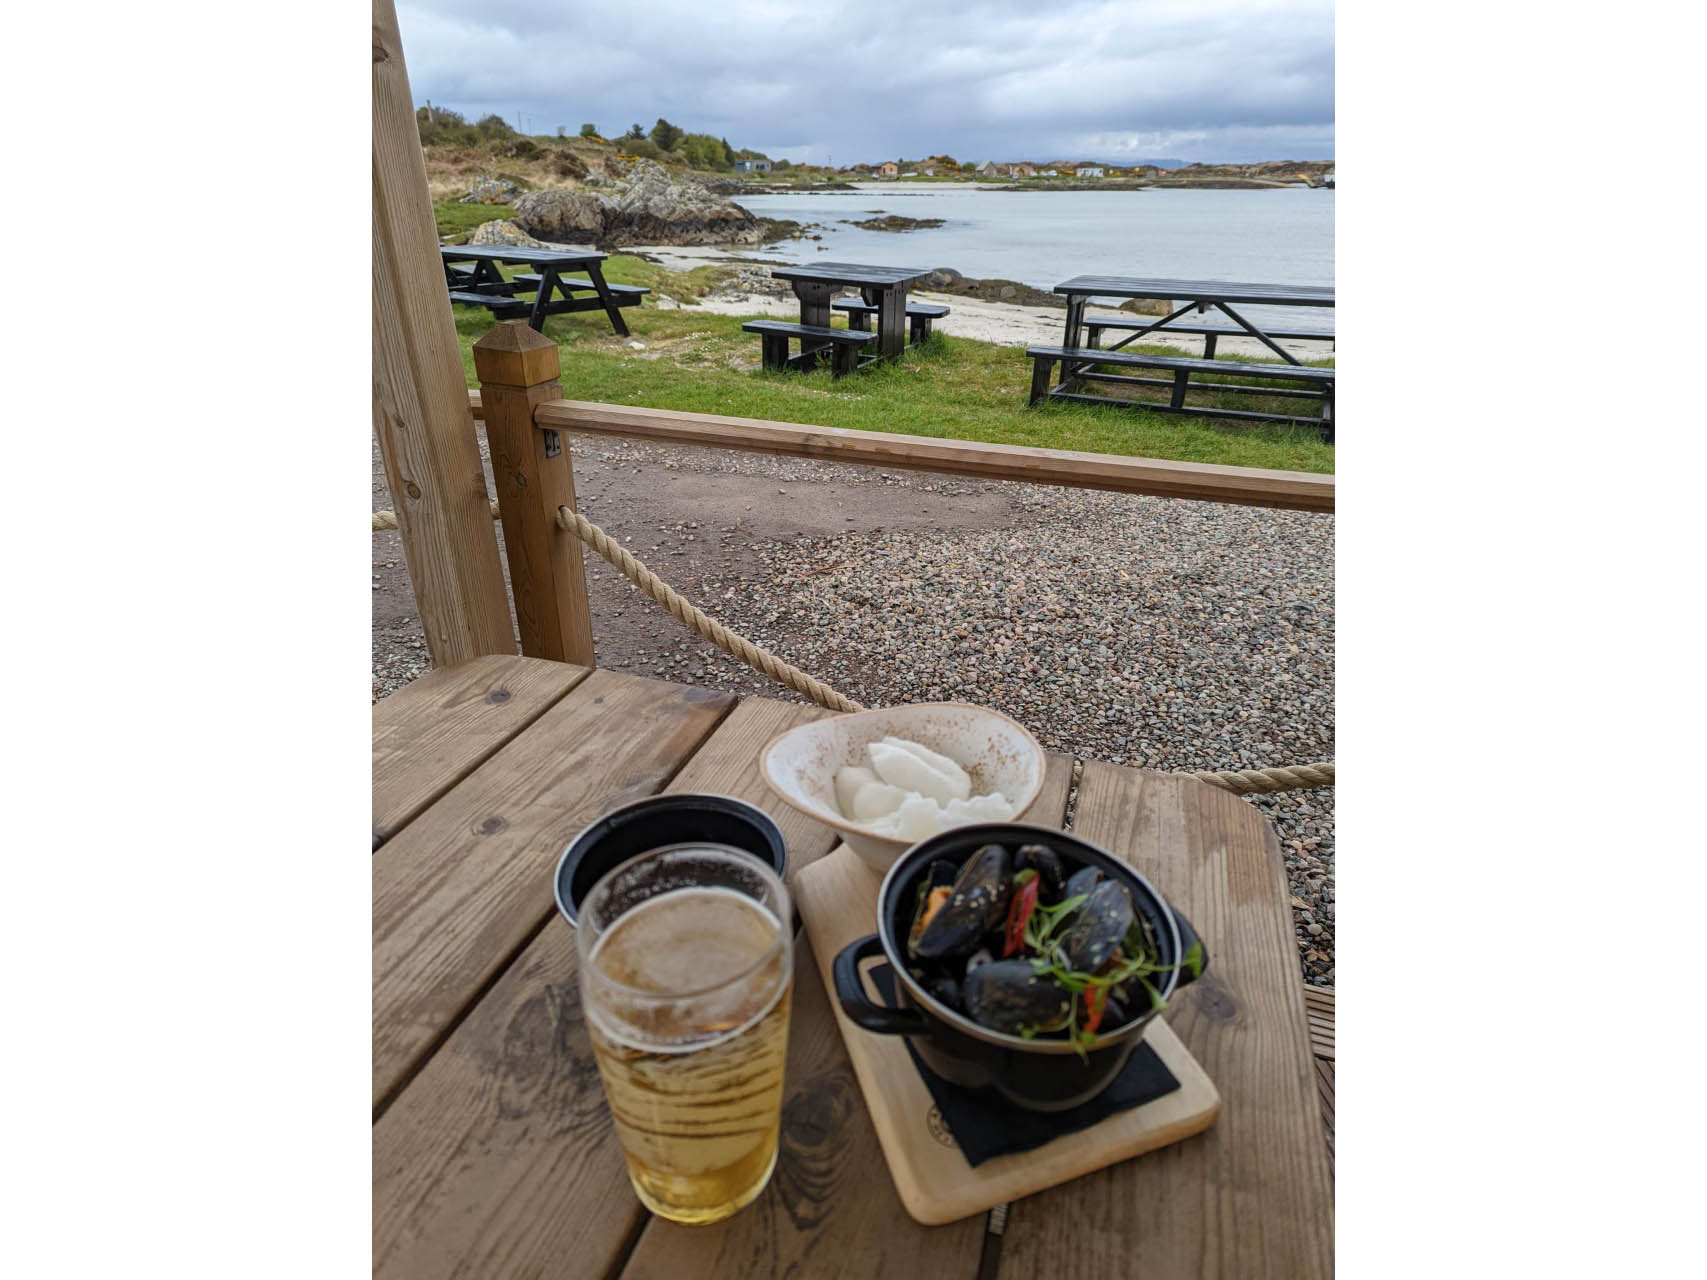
1207,482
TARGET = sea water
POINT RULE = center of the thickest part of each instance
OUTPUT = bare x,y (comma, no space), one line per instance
1279,236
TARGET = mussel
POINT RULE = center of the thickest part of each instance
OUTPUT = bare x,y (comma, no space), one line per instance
976,904
1083,881
1098,927
932,893
1006,995
1044,861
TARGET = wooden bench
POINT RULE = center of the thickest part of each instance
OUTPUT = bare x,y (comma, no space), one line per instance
1210,333
1076,361
502,308
845,345
919,316
626,295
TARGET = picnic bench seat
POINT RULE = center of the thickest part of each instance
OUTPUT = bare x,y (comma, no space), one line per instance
919,316
1318,383
502,308
626,295
1209,332
845,344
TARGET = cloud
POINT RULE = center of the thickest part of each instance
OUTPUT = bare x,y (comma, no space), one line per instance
850,80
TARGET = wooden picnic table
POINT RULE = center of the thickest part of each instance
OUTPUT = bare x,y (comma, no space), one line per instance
484,284
493,1153
883,287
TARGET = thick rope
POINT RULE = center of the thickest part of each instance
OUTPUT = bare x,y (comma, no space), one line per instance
1241,782
1245,782
388,519
696,620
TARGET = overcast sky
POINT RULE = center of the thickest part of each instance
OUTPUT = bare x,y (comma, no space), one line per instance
869,80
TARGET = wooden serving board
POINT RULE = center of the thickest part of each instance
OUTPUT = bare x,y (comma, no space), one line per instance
837,898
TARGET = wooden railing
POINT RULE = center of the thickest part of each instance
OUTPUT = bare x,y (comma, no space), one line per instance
527,424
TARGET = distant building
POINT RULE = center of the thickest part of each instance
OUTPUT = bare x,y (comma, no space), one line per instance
752,166
1023,171
929,173
889,168
1089,171
1049,173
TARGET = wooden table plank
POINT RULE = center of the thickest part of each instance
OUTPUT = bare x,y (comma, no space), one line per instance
831,1208
1251,1197
728,765
435,731
460,889
498,1158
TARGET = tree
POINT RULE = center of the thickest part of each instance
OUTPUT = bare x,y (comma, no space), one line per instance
781,164
589,131
635,132
703,151
493,126
666,135
728,154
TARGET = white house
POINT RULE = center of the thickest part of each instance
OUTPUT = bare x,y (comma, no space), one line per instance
1089,171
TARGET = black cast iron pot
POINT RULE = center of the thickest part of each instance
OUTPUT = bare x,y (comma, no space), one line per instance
1041,1074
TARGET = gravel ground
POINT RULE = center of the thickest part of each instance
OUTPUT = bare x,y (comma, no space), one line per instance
1143,631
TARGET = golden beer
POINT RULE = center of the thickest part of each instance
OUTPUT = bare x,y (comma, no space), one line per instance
686,994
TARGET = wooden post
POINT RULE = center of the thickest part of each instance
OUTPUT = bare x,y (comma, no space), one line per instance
420,398
517,367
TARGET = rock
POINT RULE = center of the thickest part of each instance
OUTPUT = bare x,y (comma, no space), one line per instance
490,191
655,207
660,208
944,276
1009,291
503,231
1147,306
563,217
895,222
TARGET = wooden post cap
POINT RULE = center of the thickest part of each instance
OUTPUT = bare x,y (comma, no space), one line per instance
514,355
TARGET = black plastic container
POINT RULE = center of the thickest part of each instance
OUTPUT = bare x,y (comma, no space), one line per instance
1041,1074
678,818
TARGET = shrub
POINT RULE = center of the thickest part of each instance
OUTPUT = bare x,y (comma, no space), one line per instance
665,135
589,131
493,126
638,147
703,151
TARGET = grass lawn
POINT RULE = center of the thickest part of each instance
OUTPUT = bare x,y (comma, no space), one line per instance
952,387
456,219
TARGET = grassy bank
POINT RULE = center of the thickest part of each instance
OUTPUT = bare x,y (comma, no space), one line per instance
952,387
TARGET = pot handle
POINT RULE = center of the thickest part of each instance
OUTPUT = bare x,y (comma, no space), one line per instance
1188,939
864,1011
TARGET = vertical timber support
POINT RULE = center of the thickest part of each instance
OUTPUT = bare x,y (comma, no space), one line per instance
518,369
420,399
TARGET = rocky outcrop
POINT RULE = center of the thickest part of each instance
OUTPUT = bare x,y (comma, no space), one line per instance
504,231
563,217
894,222
657,208
653,208
490,191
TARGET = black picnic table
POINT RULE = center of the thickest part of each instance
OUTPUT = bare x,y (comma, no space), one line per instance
484,285
883,287
1191,296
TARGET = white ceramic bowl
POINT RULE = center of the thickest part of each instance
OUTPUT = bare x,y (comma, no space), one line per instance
998,753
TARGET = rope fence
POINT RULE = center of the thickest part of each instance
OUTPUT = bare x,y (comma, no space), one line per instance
1243,782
